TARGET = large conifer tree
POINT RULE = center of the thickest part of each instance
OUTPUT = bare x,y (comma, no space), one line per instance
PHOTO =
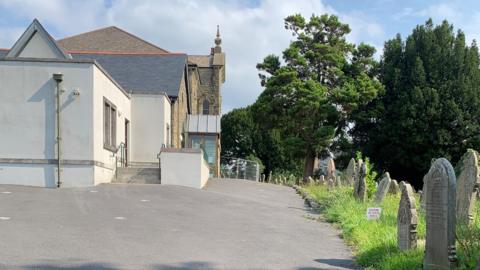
431,104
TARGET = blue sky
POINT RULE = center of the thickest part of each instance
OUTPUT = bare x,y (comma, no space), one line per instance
250,29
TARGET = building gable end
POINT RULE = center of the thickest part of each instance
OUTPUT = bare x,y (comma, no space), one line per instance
35,42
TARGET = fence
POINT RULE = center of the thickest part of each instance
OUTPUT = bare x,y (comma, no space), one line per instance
237,168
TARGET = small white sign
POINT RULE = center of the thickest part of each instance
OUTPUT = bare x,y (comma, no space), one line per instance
373,213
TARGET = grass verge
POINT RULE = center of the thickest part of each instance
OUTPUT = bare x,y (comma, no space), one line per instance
375,242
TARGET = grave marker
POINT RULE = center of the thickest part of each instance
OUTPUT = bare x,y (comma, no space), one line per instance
467,184
407,219
383,188
440,193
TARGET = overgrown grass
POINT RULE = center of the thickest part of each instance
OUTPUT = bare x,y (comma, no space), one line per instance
375,242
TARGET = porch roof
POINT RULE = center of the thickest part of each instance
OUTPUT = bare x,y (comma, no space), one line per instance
209,124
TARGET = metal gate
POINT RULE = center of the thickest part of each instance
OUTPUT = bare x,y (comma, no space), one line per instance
237,168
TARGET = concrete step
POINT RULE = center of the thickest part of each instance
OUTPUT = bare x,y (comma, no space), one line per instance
137,176
143,165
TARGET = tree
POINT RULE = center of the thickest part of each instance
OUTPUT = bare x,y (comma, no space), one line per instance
431,104
309,98
244,137
238,133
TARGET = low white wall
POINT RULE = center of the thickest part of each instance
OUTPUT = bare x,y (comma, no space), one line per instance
183,167
205,172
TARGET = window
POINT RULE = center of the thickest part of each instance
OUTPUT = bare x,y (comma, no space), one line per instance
109,125
206,107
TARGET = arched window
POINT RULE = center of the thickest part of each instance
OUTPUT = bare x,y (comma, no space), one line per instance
206,107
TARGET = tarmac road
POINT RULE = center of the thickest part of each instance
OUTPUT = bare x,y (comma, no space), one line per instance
230,224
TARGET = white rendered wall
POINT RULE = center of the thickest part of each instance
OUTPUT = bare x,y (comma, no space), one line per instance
105,88
184,169
150,117
28,124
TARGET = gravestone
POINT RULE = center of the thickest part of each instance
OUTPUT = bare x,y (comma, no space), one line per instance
383,188
330,168
331,184
401,185
263,178
337,180
321,181
310,180
468,181
407,219
423,200
394,187
349,175
440,200
356,177
360,190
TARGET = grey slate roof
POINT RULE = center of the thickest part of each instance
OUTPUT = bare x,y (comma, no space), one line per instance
143,73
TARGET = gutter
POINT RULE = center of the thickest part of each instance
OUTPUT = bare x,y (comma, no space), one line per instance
58,77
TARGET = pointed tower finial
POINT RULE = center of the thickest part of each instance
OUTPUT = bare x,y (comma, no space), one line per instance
218,41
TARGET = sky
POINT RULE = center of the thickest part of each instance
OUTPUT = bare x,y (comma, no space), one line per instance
250,29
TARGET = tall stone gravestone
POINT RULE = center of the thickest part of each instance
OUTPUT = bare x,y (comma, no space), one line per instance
349,175
401,185
360,189
356,177
383,188
440,196
468,181
337,181
423,200
263,178
407,219
330,168
394,187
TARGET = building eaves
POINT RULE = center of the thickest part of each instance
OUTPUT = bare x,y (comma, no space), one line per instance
74,61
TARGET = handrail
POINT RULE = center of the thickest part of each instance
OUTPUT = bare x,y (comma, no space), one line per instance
121,147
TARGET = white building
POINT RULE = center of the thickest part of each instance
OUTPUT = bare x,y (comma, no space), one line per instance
96,122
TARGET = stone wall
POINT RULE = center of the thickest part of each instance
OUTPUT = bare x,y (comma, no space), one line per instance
179,116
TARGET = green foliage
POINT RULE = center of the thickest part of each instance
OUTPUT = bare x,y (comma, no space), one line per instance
371,176
287,178
431,104
238,133
375,242
309,98
468,242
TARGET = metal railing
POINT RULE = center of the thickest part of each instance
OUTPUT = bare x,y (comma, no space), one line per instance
123,157
237,168
122,148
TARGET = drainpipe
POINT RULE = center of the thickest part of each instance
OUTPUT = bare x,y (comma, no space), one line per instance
58,77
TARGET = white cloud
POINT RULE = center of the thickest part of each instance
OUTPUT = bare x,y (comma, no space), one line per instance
249,33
